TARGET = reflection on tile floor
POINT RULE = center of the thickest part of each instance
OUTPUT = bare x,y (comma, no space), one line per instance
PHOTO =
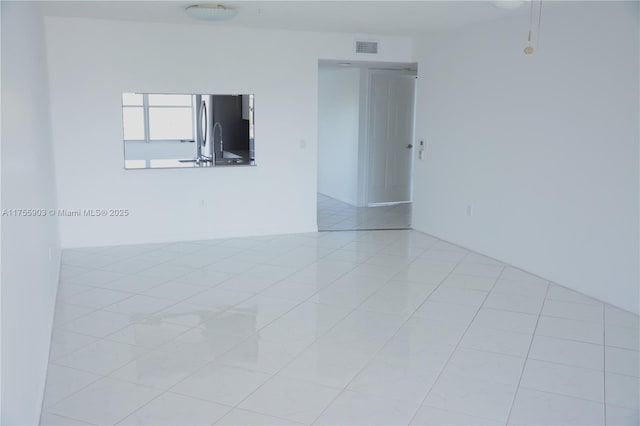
338,328
334,215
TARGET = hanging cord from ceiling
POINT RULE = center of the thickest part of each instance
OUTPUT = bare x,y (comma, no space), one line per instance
528,50
539,23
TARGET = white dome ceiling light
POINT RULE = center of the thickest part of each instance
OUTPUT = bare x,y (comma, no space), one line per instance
211,12
509,4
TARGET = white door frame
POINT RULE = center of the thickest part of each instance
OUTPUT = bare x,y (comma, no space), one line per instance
363,142
364,146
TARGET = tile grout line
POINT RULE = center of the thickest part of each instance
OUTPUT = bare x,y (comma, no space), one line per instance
604,362
579,398
524,365
459,340
101,377
66,417
46,383
162,393
217,422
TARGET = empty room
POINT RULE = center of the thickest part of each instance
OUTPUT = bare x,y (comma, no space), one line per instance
320,213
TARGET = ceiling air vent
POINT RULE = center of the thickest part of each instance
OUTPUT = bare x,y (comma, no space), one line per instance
370,47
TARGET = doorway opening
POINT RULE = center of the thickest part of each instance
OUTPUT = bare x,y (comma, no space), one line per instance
366,116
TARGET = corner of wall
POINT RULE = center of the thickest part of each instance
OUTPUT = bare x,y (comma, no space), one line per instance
30,242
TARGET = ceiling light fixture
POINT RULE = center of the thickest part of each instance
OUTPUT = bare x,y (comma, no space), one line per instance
211,12
509,4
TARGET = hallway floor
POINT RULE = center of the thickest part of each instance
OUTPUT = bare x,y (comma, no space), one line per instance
337,328
334,215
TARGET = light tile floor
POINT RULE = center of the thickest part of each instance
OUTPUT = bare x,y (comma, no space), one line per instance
334,215
339,328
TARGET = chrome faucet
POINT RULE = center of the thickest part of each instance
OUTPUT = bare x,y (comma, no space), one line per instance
218,125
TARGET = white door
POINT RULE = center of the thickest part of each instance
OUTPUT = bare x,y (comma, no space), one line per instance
391,111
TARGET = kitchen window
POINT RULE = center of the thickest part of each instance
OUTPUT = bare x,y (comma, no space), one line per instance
155,117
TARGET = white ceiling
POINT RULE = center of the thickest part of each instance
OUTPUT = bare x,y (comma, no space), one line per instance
371,17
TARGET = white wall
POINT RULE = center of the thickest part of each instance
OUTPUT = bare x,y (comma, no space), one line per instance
91,62
545,147
338,133
141,150
30,245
